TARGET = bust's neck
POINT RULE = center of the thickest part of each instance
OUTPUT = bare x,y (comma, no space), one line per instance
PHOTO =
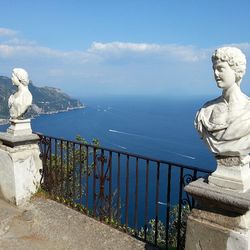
21,87
233,94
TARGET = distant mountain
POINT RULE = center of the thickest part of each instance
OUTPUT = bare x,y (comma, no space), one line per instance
46,100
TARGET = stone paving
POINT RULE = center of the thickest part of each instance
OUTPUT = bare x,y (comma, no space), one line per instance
46,224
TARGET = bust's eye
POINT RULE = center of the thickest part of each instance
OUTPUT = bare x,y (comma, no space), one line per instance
220,69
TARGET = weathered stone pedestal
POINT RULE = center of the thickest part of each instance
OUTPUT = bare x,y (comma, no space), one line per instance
19,164
221,219
231,173
19,127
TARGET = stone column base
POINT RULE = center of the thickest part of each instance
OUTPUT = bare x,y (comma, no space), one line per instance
231,173
221,219
19,127
19,167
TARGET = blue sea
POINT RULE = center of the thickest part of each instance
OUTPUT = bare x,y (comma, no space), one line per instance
157,127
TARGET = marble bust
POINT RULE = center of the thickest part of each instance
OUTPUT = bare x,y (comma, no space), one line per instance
20,101
224,123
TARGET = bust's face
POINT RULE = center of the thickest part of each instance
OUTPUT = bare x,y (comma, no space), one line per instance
15,80
224,75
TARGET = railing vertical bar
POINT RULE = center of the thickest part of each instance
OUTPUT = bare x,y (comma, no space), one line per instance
67,174
101,198
87,177
179,209
168,203
136,198
194,178
56,169
45,156
110,185
156,202
80,174
50,153
45,163
146,203
62,172
94,181
195,175
119,187
50,172
127,190
74,172
44,150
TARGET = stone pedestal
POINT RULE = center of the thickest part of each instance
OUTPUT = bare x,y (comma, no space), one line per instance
19,127
221,219
19,167
231,173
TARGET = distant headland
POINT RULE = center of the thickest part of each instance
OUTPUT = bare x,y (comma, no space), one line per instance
46,100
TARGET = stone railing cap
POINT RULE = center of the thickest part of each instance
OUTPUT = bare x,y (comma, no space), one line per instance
12,141
215,196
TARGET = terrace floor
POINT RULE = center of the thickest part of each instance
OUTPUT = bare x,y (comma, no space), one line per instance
46,224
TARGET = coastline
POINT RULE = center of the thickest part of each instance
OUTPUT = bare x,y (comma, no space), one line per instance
59,111
6,121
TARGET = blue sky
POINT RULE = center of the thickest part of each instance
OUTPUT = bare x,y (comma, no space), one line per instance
150,47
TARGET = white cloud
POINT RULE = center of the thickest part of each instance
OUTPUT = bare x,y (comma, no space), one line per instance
99,52
10,50
115,66
18,48
7,32
181,53
18,41
137,47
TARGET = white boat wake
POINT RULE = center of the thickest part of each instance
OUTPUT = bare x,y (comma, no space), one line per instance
182,155
143,136
124,133
122,147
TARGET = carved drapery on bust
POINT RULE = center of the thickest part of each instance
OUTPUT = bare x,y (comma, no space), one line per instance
20,101
224,123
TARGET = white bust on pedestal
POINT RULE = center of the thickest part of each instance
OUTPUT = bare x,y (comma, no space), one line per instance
221,216
19,103
19,151
224,123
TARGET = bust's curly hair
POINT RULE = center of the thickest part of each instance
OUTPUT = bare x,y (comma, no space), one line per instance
22,76
235,59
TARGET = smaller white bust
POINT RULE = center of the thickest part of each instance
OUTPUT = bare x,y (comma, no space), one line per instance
20,101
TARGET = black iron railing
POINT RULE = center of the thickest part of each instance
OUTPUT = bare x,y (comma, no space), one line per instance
141,195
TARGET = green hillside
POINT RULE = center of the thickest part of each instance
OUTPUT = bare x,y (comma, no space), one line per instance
45,99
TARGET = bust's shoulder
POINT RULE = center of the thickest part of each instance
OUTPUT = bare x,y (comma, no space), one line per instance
217,101
217,104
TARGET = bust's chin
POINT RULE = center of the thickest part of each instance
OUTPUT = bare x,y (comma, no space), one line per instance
219,83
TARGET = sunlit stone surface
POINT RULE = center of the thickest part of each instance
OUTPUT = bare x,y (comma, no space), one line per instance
19,167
